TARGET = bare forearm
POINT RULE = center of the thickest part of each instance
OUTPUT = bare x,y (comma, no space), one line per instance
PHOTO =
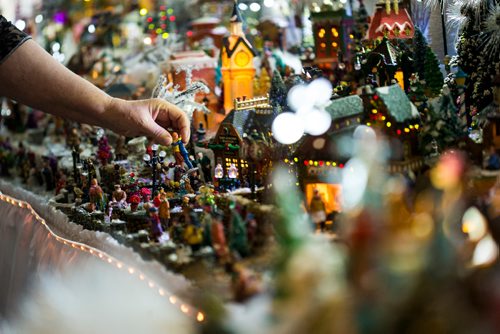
31,76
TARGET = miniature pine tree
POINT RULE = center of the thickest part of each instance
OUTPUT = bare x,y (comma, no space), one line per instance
433,76
419,53
416,93
278,92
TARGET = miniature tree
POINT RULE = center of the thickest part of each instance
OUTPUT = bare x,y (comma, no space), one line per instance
419,53
277,93
432,73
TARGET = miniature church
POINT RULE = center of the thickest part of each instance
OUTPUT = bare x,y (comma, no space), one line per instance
237,56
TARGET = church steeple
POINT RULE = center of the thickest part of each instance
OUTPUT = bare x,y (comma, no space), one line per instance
236,27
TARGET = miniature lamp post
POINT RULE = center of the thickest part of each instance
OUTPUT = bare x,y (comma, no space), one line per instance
156,158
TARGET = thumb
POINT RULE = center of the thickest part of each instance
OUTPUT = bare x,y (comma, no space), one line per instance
159,134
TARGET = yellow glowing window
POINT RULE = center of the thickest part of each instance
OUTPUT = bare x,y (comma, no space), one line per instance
323,45
334,44
335,33
321,33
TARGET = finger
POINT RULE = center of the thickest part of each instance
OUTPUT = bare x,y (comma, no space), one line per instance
176,118
158,133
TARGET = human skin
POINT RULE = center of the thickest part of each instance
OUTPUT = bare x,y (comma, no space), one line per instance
33,77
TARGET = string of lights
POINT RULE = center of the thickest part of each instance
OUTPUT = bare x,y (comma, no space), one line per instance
120,265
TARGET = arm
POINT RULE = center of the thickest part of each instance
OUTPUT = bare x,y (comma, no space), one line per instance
31,76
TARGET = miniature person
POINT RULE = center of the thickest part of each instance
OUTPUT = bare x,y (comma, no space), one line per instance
48,176
206,168
164,208
96,195
318,210
493,162
180,152
219,172
119,197
201,132
154,219
218,237
193,233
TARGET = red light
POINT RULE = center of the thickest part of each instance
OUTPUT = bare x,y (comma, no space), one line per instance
341,165
163,26
163,18
306,163
172,18
321,163
162,7
398,132
189,33
375,97
150,19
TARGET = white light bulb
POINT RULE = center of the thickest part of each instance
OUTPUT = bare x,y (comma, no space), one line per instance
56,47
91,29
243,6
297,98
39,18
268,3
20,24
254,7
148,41
319,91
316,122
287,128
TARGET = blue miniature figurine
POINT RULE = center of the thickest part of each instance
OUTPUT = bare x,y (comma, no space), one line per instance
180,152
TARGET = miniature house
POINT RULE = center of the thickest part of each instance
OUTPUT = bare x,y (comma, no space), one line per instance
320,159
388,110
249,123
332,30
237,56
391,21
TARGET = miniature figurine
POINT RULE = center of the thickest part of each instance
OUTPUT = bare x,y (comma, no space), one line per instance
206,168
48,176
61,182
193,233
96,195
164,208
156,229
219,239
318,210
119,197
201,132
104,150
180,152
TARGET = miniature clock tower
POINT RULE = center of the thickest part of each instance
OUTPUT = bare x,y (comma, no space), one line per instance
237,55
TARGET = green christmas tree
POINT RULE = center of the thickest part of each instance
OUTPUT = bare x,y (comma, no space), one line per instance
432,74
277,93
419,53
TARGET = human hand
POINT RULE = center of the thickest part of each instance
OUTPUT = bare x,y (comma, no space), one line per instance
149,118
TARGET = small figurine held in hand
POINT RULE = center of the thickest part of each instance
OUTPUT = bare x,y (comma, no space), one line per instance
180,153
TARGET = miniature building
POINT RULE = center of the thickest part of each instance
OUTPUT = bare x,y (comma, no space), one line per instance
206,31
250,121
391,21
332,30
320,159
204,71
238,70
384,64
389,110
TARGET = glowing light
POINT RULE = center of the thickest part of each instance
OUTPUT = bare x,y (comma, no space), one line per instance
486,252
39,18
334,44
143,11
172,299
184,308
151,26
317,122
254,7
20,24
335,33
474,224
243,6
170,11
161,292
388,124
164,35
287,128
374,111
91,28
407,130
159,31
172,18
269,3
354,183
416,126
148,41
56,47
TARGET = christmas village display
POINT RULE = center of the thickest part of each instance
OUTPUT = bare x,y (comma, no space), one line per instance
388,155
